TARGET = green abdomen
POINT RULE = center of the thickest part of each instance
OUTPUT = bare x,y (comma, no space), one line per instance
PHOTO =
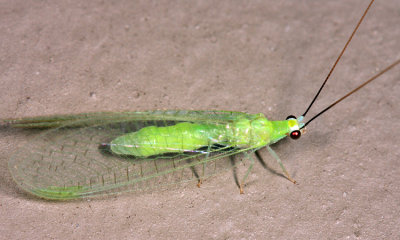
154,140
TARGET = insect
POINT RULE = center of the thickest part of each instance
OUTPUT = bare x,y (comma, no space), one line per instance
93,154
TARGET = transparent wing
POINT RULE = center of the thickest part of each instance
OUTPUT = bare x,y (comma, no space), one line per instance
71,162
85,119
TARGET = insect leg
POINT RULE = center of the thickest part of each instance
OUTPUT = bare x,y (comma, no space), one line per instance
249,156
272,152
194,171
233,164
200,181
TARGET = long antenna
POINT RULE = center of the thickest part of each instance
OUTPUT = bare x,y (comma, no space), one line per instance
354,90
337,60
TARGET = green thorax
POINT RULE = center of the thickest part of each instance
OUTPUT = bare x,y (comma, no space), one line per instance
256,130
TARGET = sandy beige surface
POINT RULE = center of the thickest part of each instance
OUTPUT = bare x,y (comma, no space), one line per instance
265,56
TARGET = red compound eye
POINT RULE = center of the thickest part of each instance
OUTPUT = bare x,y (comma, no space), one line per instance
295,134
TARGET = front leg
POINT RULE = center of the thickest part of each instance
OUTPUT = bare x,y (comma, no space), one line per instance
272,152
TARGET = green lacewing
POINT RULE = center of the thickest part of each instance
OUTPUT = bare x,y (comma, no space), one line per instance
92,154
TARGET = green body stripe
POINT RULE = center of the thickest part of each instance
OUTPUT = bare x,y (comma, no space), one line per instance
60,192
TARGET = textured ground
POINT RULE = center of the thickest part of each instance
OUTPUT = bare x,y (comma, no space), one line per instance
266,56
